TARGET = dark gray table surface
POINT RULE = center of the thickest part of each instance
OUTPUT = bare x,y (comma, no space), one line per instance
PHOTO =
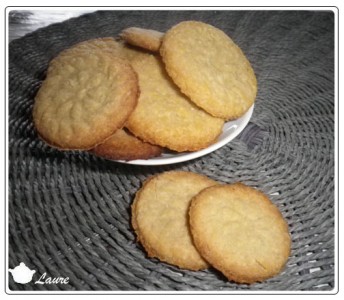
22,22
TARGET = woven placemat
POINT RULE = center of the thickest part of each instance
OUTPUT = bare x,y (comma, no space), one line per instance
69,212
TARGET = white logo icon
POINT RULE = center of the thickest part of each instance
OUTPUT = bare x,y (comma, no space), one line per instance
22,274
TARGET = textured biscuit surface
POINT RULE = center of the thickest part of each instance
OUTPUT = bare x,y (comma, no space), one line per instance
166,117
124,146
209,68
144,38
240,232
106,44
160,217
85,98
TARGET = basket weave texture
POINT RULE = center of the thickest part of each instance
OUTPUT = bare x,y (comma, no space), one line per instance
69,212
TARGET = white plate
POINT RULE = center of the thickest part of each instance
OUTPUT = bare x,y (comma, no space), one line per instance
230,130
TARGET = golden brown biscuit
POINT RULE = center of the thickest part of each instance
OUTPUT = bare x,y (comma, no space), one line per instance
240,232
209,68
124,146
166,117
143,38
106,44
160,217
85,98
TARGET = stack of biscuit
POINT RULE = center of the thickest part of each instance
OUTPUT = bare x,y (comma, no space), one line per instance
135,97
149,91
193,222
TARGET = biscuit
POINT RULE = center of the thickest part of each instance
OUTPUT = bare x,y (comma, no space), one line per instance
164,116
85,98
160,217
106,44
209,68
124,146
240,232
144,38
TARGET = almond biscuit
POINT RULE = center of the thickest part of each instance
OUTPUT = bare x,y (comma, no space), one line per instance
209,68
240,232
122,145
164,116
85,98
144,38
160,217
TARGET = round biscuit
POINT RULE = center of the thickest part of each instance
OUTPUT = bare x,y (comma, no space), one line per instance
209,68
144,38
85,98
164,116
240,232
124,146
160,217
